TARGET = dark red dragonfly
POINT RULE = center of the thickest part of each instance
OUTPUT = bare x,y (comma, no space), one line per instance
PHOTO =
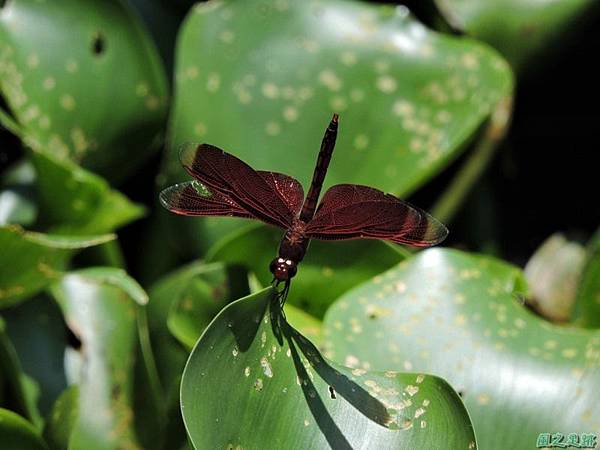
226,186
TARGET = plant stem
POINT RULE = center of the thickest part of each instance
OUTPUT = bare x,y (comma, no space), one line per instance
448,204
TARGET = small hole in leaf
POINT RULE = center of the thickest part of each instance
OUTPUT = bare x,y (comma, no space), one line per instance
73,340
332,392
98,43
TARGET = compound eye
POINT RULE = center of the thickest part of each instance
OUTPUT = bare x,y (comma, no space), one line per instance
292,270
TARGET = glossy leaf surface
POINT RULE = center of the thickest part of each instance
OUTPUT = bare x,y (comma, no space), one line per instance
30,261
459,316
252,381
520,29
62,92
99,305
18,434
75,201
408,98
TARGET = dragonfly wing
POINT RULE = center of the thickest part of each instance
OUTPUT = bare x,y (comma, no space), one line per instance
194,199
289,189
230,176
350,211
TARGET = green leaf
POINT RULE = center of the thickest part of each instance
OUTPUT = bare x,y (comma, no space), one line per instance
38,333
552,274
75,201
201,298
17,205
21,392
586,311
169,353
63,92
30,261
409,98
100,307
458,316
209,288
307,325
18,434
252,381
328,270
520,29
62,420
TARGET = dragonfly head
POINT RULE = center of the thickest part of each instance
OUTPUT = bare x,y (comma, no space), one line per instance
283,269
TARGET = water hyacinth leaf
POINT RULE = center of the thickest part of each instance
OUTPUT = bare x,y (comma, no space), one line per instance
16,433
16,207
163,296
62,419
20,393
30,261
252,381
75,201
409,98
586,311
328,270
17,202
520,29
458,316
200,299
197,305
100,307
309,326
38,333
553,274
63,97
169,352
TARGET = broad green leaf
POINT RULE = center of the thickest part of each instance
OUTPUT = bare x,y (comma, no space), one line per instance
17,205
553,273
20,392
252,381
75,201
169,353
307,325
327,271
30,261
100,306
62,419
586,311
149,406
409,98
58,66
458,316
38,333
16,433
199,301
210,289
520,29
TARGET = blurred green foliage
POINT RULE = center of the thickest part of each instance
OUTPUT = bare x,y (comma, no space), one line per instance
88,360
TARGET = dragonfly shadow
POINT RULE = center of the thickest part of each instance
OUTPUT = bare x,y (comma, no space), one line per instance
338,384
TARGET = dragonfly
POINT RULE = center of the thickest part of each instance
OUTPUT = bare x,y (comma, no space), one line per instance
224,185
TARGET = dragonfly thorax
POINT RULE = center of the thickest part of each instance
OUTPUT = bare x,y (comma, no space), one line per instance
283,269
